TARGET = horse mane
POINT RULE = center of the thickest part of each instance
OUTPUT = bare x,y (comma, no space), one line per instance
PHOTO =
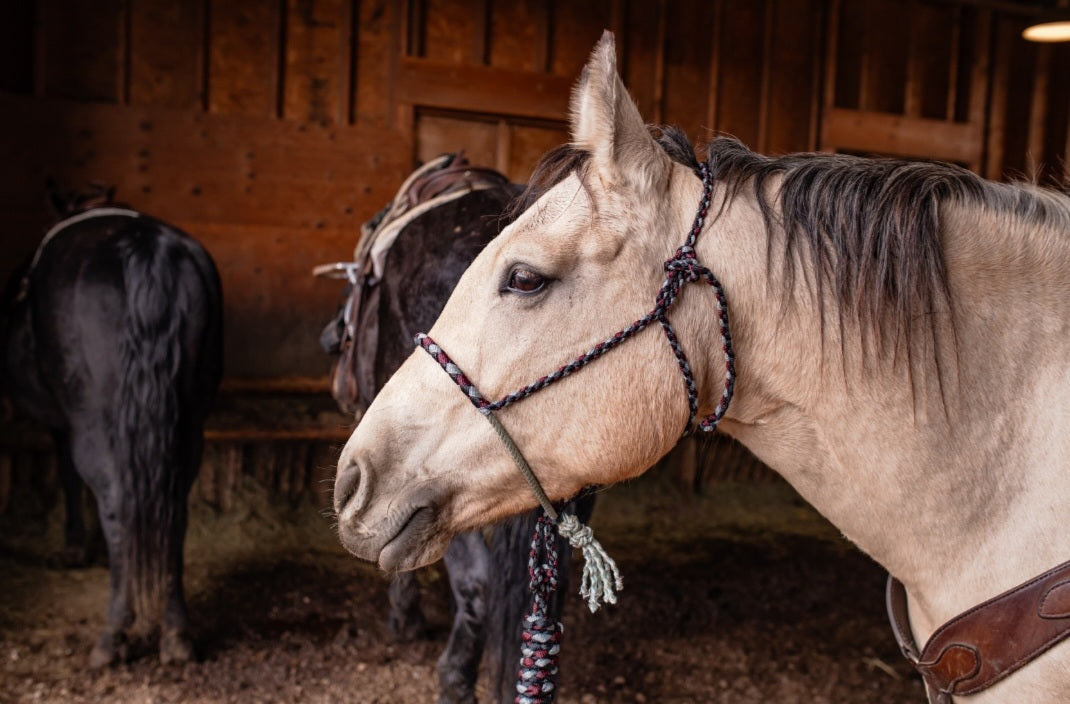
870,227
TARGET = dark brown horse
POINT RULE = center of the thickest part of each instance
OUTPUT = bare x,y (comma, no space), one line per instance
489,584
112,338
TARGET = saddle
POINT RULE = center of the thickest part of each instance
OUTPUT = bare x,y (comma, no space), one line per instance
353,334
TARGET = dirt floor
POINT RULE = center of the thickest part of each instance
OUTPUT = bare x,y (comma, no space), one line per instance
742,594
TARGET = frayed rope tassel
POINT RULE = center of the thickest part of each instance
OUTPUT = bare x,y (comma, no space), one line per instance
601,578
541,642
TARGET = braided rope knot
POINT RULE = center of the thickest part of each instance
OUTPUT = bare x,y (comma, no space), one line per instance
541,637
683,266
539,652
601,577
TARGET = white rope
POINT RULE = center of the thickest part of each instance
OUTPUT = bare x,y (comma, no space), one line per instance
601,578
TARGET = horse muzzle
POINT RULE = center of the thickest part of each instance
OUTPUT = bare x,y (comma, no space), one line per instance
397,536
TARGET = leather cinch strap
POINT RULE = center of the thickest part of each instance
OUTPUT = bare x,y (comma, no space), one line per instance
990,641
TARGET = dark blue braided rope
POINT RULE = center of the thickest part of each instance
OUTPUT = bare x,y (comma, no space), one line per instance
682,268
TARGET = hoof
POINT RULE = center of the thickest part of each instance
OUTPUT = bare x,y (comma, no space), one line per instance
176,647
110,649
74,556
457,698
406,630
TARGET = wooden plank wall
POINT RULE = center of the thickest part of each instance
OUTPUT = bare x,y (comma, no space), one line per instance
270,130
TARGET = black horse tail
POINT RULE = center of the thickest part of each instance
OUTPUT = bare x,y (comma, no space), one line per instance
152,480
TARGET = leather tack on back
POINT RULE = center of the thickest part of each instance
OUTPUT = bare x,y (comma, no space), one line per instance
354,333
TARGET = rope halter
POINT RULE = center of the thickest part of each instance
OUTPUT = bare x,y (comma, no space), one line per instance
601,578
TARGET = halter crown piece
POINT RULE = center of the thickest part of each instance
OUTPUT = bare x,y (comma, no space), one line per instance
601,578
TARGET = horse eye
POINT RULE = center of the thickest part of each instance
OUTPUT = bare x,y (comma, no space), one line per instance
525,281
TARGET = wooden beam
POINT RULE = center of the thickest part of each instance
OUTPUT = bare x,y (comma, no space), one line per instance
831,58
243,58
315,89
480,30
818,26
997,107
281,385
262,434
953,63
713,88
980,74
659,63
540,59
913,87
768,9
166,54
503,146
483,89
1034,156
885,133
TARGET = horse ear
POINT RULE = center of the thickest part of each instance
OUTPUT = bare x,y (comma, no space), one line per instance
607,123
57,201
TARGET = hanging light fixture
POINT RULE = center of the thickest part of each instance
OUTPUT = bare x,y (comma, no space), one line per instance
1053,26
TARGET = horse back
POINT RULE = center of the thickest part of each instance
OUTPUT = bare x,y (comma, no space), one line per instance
95,286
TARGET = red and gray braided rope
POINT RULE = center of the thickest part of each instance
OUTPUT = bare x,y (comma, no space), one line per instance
541,638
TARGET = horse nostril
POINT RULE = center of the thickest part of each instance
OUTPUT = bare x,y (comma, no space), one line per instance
346,486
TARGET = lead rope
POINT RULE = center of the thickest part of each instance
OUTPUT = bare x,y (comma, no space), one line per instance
541,638
601,578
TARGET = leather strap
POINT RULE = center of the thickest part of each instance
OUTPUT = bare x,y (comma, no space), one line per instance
459,174
981,646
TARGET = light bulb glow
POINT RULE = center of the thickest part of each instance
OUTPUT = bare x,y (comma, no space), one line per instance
1048,32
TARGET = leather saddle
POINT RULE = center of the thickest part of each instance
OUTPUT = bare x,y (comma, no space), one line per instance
353,334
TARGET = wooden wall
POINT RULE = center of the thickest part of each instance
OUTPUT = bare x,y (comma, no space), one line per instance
271,130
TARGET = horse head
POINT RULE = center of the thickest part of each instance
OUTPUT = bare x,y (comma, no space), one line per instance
582,262
67,203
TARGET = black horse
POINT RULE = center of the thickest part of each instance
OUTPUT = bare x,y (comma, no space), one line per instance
112,337
489,583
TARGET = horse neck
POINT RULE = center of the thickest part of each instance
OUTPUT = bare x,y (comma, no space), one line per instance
938,476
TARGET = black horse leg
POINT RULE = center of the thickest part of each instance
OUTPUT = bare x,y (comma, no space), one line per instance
405,620
468,565
75,543
176,643
94,459
112,644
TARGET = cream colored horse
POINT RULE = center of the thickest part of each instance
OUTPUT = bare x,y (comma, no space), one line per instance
902,350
